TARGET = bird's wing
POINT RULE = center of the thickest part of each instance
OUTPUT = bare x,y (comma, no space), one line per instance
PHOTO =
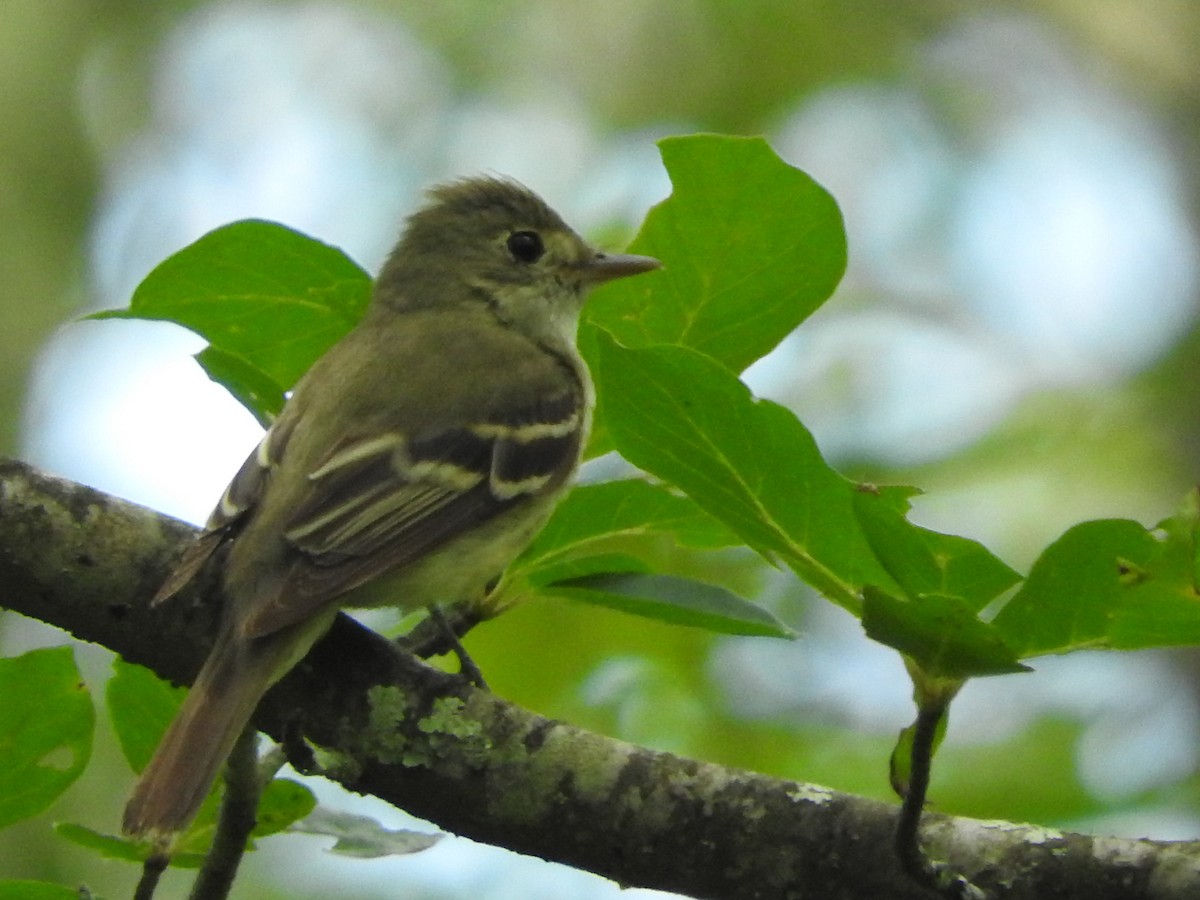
377,503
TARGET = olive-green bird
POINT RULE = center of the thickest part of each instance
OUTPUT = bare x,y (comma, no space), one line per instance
411,464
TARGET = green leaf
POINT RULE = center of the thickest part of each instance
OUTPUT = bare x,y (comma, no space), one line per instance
36,890
362,837
633,507
1075,587
187,852
250,386
269,297
751,246
184,852
567,567
1111,583
141,706
941,634
624,527
110,846
900,762
46,722
929,562
283,803
679,601
631,519
750,463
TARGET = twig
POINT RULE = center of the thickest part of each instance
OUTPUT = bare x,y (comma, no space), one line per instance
450,631
152,870
236,821
935,876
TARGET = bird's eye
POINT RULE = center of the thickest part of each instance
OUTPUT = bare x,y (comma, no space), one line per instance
526,246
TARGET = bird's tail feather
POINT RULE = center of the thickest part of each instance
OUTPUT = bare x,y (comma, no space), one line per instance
215,711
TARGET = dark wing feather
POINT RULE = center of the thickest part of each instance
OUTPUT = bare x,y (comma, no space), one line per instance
392,502
194,558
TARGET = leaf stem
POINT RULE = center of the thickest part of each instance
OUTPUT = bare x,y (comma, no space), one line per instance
936,876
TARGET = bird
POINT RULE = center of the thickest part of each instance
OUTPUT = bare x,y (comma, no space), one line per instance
410,465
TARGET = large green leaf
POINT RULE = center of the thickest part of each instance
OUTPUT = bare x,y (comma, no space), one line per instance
751,247
268,299
46,722
750,463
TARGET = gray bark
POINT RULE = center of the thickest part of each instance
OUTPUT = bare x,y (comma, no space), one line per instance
479,766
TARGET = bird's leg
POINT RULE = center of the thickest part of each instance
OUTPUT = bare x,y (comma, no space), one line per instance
466,666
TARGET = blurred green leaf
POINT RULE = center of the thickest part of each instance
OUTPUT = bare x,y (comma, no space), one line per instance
900,762
283,803
141,706
111,846
186,852
268,299
928,562
750,463
362,837
679,601
46,723
943,635
751,246
36,890
1029,775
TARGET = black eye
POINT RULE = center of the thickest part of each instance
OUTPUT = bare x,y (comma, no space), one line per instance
526,246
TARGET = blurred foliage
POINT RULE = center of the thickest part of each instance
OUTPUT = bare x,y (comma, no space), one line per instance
46,721
715,65
709,65
732,468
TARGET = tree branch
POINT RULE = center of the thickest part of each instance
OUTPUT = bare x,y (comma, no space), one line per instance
478,766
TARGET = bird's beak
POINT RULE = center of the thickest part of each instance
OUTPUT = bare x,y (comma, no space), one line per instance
609,266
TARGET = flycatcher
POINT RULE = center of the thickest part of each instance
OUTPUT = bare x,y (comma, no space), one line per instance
411,464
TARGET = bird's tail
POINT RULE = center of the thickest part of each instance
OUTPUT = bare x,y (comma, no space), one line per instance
216,710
